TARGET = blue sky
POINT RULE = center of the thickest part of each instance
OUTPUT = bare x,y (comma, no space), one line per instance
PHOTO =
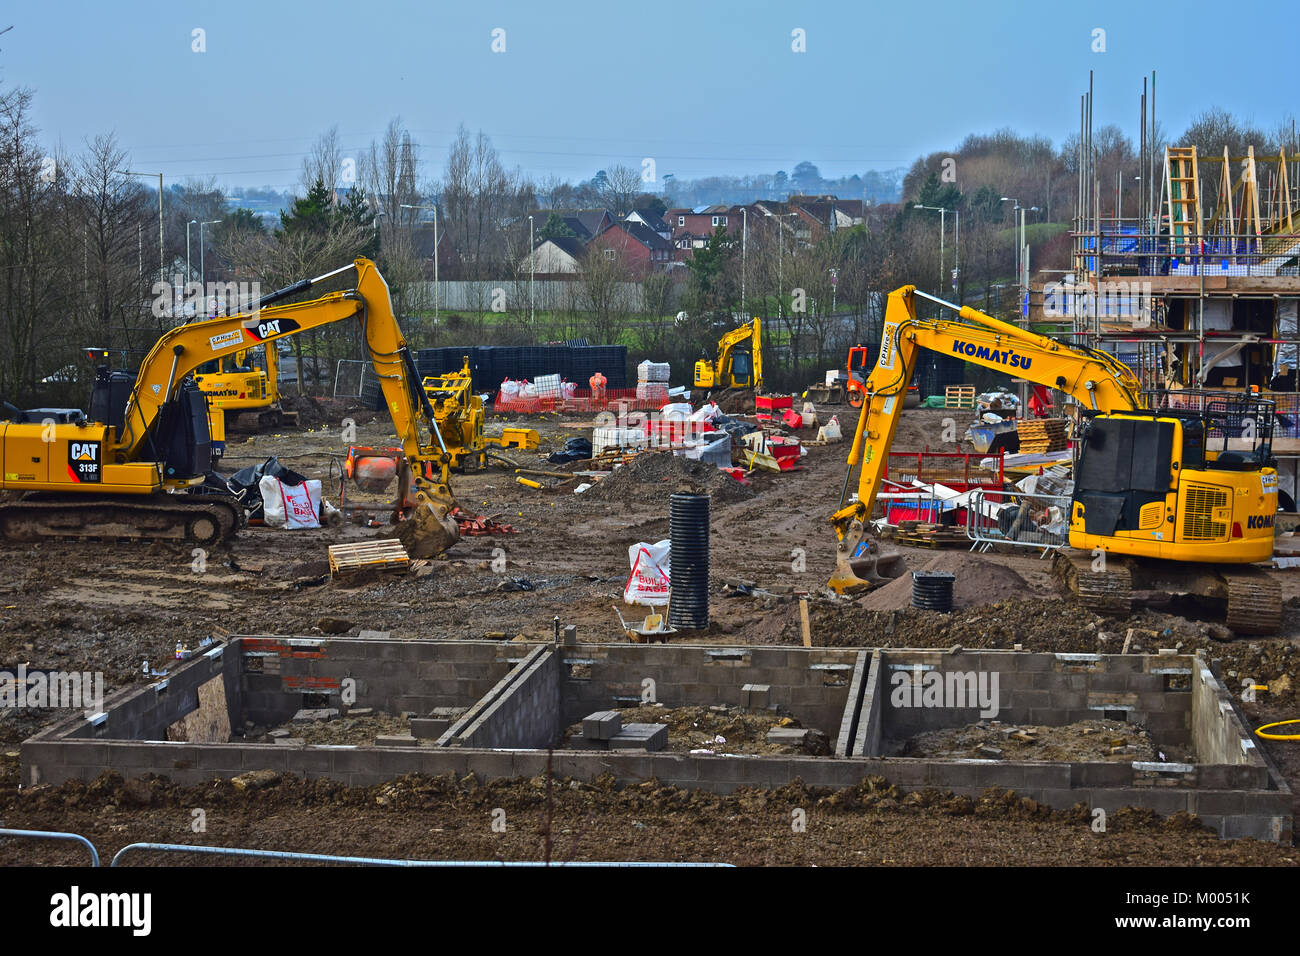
702,86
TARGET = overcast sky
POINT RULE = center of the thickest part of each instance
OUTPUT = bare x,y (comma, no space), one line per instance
703,87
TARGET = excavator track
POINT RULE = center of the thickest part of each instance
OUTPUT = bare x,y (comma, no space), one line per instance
1254,602
1106,591
195,519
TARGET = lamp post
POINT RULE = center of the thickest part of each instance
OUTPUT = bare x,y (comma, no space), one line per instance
780,263
956,252
1015,207
162,262
188,273
203,274
942,214
744,252
434,207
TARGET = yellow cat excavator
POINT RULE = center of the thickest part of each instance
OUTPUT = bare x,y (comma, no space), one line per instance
134,468
1170,501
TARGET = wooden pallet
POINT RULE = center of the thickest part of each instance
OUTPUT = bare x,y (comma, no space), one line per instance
1041,428
918,534
959,396
1042,435
385,555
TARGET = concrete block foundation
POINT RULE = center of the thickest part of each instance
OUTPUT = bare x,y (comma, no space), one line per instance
493,709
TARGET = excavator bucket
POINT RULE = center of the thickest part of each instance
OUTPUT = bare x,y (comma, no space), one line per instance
430,530
854,573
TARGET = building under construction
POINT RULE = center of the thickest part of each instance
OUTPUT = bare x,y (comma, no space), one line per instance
1199,288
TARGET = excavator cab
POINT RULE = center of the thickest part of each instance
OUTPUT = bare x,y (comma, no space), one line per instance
742,368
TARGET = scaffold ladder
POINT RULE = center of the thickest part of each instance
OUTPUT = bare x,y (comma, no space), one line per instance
1184,199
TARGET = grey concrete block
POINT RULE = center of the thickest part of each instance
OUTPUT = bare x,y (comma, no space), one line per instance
788,736
602,725
1220,803
290,742
396,740
755,696
649,737
426,728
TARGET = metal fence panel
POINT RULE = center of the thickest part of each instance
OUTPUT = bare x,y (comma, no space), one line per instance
1019,519
348,378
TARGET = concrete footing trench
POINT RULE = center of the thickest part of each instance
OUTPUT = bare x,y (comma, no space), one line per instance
1169,736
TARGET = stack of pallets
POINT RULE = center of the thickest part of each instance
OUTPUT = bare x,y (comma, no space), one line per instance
383,555
1041,435
920,534
959,396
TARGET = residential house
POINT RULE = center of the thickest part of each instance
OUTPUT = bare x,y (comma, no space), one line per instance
636,245
559,256
650,218
692,228
583,223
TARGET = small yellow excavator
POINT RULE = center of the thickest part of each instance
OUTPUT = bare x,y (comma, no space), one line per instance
134,467
1172,500
739,361
460,416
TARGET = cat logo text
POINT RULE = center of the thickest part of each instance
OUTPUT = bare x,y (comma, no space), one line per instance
83,461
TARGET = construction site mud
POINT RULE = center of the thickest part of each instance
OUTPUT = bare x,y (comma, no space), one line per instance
99,606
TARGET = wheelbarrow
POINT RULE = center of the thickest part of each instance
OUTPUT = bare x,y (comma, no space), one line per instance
654,628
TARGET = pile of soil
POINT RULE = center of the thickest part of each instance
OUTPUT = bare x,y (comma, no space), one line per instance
979,581
1084,740
313,411
735,401
654,475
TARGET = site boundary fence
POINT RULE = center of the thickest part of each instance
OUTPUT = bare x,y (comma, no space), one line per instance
1018,518
349,377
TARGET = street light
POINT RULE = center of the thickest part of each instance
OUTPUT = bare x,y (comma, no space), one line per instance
188,273
942,213
434,207
1015,208
780,262
203,275
744,252
162,262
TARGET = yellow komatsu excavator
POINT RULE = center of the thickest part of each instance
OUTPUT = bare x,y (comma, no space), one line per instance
739,362
134,468
1169,502
242,395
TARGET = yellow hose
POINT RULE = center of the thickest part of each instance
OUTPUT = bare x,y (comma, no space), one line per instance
528,482
1259,732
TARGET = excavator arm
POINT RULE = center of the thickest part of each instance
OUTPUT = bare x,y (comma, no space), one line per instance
183,349
1094,378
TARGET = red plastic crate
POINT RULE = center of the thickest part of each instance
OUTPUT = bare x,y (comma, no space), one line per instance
773,403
